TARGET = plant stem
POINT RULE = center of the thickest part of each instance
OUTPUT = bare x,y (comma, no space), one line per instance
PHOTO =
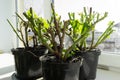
106,33
16,33
57,27
92,40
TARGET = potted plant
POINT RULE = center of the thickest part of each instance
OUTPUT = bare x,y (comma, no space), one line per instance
60,62
27,64
84,28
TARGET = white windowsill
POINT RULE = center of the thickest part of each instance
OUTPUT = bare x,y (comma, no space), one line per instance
110,60
7,69
107,75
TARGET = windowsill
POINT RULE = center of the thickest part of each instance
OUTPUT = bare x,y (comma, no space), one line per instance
107,75
110,61
7,69
101,75
6,66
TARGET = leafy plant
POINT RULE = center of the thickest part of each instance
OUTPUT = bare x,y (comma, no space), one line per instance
53,37
51,33
85,26
27,24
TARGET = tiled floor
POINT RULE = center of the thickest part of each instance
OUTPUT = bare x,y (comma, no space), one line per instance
7,69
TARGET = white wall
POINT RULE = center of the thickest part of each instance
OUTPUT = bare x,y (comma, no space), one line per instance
7,39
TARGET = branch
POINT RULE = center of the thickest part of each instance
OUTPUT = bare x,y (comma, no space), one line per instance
16,33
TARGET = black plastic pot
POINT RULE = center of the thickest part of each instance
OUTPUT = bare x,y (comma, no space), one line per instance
89,66
61,71
27,64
